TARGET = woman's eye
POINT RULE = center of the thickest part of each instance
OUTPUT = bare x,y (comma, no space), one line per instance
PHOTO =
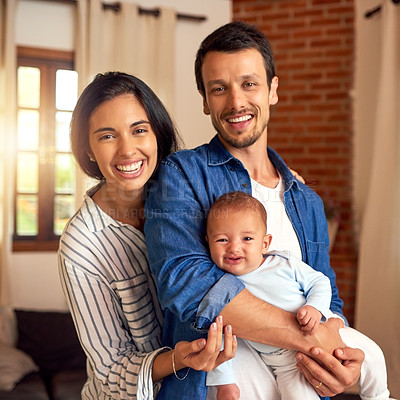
139,131
106,137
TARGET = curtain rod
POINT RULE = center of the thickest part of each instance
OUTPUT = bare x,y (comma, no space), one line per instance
377,9
142,11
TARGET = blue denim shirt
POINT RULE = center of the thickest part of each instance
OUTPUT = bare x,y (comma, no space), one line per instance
191,289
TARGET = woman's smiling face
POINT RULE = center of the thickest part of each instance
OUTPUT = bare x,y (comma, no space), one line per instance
123,143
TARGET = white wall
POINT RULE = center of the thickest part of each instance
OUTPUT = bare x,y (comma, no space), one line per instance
34,280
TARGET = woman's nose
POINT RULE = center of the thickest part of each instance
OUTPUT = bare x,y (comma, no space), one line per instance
127,146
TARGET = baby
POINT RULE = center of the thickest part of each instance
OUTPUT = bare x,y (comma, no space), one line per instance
236,234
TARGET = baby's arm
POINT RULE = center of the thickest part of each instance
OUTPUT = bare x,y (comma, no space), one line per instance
228,392
309,319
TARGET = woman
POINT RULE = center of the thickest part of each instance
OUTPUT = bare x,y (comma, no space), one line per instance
120,131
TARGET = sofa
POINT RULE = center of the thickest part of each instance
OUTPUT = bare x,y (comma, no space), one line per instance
40,356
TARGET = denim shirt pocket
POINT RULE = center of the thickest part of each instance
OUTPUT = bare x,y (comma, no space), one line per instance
315,251
315,247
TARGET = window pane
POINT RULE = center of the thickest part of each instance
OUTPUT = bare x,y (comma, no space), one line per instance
27,172
66,89
28,87
63,120
65,173
27,223
28,130
64,208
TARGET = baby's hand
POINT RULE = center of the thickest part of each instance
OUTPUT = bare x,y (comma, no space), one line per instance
228,392
309,319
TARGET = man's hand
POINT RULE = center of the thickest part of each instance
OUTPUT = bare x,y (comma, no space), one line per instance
331,374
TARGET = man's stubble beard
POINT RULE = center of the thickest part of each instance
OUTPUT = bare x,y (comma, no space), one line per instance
240,143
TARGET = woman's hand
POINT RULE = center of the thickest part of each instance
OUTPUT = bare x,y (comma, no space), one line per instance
297,175
205,355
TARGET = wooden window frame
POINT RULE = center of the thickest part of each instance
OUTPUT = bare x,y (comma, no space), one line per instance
48,61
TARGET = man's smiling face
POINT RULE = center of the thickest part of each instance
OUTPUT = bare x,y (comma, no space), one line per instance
238,96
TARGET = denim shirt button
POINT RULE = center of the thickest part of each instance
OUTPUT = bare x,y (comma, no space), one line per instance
244,185
232,169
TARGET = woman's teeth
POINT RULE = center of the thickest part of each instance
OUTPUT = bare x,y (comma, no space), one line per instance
131,168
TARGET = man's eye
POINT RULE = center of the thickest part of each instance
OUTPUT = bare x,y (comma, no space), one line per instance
249,84
218,89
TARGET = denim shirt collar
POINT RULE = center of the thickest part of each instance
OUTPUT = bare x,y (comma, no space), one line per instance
217,155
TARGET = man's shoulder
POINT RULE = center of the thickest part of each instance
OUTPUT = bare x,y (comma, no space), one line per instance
187,156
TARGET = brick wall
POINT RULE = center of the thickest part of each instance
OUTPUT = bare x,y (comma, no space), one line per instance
311,126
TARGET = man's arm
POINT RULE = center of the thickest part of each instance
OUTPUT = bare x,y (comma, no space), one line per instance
256,320
190,285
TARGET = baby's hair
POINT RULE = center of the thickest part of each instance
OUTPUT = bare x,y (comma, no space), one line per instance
237,202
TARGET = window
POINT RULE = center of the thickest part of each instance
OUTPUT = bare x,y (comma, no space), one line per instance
45,170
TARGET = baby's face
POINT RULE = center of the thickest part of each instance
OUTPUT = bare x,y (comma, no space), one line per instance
237,241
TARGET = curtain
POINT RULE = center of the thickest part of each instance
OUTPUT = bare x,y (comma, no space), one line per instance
7,135
378,290
122,40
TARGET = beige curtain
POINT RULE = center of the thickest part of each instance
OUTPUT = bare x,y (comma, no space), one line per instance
7,135
378,292
122,40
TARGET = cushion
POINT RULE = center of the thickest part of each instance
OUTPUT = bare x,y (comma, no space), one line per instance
50,339
14,365
30,388
8,326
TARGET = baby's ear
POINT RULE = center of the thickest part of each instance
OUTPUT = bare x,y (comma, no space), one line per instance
266,243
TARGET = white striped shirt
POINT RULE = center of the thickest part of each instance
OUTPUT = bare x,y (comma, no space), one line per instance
104,271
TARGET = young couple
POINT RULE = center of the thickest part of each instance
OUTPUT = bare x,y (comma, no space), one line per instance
120,132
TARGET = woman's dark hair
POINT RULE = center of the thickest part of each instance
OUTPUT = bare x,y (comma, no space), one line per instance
230,38
105,87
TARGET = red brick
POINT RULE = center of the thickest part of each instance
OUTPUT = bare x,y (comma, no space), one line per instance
311,126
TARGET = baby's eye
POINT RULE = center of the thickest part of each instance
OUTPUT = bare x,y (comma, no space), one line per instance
221,240
247,238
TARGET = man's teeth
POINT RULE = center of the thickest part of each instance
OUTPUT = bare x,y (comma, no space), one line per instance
131,168
240,119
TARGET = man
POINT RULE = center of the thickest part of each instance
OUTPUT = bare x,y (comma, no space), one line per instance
235,75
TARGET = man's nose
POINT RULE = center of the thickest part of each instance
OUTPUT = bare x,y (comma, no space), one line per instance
236,99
